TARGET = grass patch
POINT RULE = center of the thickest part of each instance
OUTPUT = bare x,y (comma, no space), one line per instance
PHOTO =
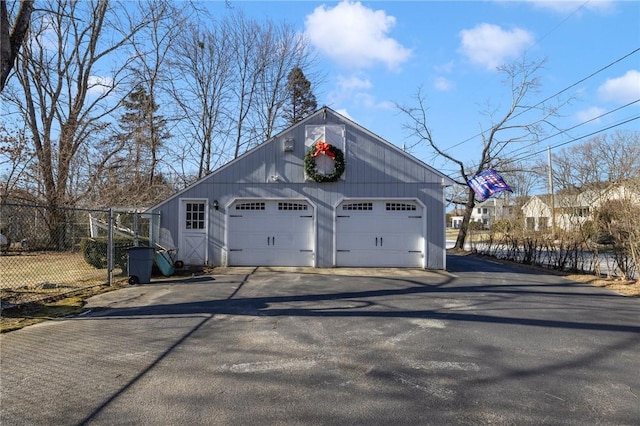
629,288
27,269
451,234
58,306
31,276
620,286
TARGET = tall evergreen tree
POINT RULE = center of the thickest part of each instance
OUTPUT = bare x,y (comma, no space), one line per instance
132,175
302,100
143,131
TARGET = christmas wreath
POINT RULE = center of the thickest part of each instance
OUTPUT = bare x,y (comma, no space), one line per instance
332,152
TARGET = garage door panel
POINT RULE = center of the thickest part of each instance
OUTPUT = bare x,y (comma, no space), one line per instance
293,225
379,233
270,257
400,225
271,233
401,242
356,241
248,239
246,224
363,258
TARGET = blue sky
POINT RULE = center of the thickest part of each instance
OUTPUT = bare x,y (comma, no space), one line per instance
375,54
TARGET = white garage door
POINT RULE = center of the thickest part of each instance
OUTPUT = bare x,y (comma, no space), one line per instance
271,233
379,233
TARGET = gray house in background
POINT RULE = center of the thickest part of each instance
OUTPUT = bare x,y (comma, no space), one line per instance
386,209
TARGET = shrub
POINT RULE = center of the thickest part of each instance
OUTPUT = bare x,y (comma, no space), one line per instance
503,226
94,251
475,226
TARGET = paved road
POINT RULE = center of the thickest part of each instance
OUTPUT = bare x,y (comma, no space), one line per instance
484,343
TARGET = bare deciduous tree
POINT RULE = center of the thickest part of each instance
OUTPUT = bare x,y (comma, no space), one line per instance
151,65
506,129
246,64
601,160
618,220
201,64
12,36
68,76
16,158
284,49
231,84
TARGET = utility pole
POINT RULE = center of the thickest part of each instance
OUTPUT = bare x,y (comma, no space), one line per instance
553,203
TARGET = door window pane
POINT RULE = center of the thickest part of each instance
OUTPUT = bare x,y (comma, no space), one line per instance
194,215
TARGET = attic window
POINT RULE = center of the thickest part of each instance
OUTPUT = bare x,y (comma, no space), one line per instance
357,206
292,206
250,206
404,207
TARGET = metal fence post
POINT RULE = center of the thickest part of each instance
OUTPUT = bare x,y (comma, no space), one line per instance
136,230
110,248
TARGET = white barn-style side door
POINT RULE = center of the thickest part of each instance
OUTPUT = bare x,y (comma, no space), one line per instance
194,219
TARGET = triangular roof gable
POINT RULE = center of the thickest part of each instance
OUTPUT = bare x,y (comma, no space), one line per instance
622,190
234,161
447,181
542,199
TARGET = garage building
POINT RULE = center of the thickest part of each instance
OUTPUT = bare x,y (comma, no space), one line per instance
323,193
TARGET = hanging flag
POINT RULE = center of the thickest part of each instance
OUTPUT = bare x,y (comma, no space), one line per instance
487,183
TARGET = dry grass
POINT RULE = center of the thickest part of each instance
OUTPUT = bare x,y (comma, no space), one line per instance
28,268
28,276
56,307
624,287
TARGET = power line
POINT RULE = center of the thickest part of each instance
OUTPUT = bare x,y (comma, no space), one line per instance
552,96
628,120
510,154
577,9
533,154
535,44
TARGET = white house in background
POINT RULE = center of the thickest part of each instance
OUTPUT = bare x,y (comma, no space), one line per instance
269,208
455,217
572,210
486,212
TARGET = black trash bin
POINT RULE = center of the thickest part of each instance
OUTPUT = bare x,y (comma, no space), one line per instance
140,264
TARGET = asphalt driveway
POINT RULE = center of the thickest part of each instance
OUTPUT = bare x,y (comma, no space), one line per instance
483,343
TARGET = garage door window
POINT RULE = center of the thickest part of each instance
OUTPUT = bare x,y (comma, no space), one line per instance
250,206
357,206
403,207
194,218
292,206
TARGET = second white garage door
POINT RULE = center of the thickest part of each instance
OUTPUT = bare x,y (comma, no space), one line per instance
271,233
385,233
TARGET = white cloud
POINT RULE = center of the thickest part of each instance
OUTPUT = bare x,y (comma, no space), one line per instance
369,101
344,112
569,6
621,89
355,36
446,68
355,91
490,46
443,84
353,83
98,86
589,114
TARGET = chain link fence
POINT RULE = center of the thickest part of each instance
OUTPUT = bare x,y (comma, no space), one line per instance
47,251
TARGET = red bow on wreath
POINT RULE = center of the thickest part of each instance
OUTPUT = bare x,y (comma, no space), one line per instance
324,148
